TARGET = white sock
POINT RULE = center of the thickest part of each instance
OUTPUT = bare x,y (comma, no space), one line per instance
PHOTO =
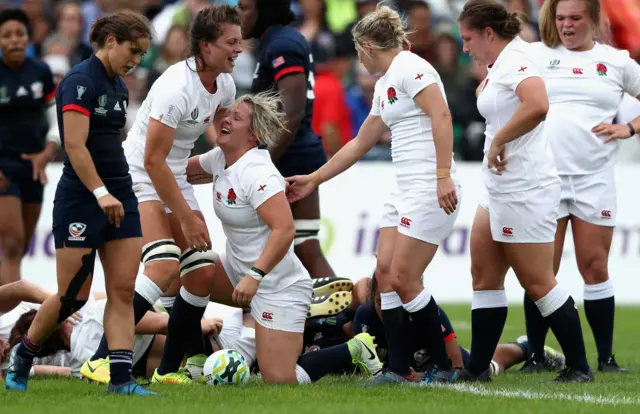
485,299
193,300
552,301
146,288
419,302
598,291
301,374
390,300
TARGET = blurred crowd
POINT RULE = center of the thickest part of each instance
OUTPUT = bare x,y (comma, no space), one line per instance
343,88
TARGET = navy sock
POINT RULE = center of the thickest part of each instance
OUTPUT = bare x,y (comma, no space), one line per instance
28,349
334,360
486,328
565,325
120,364
426,323
140,308
537,328
184,328
396,323
600,314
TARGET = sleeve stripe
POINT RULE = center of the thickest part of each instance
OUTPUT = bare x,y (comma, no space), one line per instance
286,71
51,95
77,108
450,337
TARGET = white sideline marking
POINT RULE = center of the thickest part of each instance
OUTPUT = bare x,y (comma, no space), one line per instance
528,395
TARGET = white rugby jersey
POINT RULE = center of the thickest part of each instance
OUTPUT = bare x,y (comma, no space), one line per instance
530,160
9,319
179,100
585,89
237,192
412,149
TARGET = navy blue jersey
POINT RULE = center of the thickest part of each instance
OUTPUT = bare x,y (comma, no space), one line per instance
88,89
24,94
284,51
326,331
367,320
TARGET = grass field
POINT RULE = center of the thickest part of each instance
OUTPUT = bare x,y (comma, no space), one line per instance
509,393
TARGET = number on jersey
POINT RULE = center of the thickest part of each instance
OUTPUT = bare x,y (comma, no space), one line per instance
311,82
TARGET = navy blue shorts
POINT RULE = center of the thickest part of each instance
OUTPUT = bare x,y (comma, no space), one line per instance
78,220
19,172
303,157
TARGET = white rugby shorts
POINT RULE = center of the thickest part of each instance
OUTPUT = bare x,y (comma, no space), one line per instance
418,215
591,198
283,310
524,216
145,191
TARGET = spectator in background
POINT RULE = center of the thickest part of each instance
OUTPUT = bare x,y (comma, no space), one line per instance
364,7
171,52
419,30
331,115
70,24
92,10
360,99
467,118
530,30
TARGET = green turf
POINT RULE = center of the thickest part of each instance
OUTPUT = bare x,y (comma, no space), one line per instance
509,393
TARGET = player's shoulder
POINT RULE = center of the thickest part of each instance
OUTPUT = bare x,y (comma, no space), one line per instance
176,76
36,65
288,40
78,75
227,84
408,62
257,162
615,56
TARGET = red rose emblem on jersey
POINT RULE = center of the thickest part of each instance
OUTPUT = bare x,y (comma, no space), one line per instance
231,197
602,69
391,95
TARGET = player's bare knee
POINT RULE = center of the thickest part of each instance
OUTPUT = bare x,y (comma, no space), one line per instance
197,270
12,247
279,376
594,268
122,293
485,280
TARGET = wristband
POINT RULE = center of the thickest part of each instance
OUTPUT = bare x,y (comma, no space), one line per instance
632,130
443,172
257,274
100,192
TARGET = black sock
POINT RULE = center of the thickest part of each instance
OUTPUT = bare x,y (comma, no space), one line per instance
334,360
140,308
565,325
396,324
488,316
169,309
600,314
537,327
486,329
120,363
184,327
425,321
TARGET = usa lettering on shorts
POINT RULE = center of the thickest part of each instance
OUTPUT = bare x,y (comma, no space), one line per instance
76,230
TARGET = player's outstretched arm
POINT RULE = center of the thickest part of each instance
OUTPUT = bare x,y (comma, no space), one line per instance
368,135
21,291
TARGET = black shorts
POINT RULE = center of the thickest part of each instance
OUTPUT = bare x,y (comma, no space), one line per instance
78,220
19,172
303,157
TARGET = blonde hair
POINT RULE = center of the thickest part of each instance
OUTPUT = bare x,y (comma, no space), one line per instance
548,31
267,116
382,29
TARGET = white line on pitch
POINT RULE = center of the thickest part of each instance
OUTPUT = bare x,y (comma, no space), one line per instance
529,395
